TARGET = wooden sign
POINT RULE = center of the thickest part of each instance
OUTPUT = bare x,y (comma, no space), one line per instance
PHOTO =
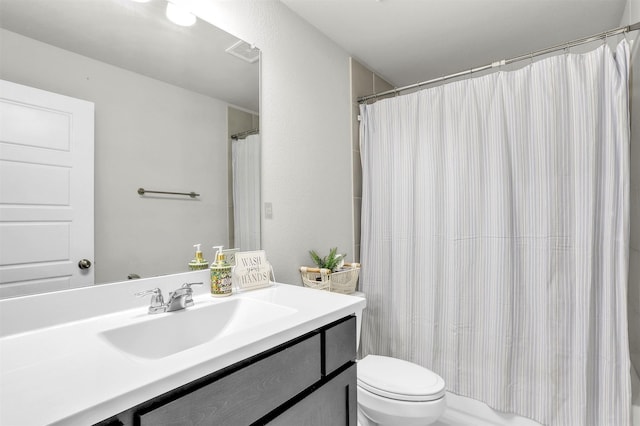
252,270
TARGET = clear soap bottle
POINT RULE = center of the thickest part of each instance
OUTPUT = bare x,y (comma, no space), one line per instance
220,275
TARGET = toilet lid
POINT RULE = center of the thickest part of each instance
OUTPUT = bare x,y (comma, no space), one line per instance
397,379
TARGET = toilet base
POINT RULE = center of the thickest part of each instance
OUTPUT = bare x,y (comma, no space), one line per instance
374,410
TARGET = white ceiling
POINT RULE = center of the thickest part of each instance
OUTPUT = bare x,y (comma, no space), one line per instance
408,41
138,37
404,41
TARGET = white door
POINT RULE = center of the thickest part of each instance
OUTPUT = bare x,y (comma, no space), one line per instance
46,191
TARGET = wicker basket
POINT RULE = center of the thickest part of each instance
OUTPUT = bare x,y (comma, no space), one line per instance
343,281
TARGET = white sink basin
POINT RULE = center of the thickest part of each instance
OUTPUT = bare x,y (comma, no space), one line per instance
161,335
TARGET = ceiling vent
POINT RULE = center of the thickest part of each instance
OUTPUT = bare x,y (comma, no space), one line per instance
244,51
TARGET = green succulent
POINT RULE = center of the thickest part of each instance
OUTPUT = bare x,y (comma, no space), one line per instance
332,262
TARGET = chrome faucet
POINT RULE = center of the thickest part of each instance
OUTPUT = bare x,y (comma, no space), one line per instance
181,298
178,299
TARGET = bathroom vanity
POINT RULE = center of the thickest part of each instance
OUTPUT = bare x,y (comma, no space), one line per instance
282,355
310,380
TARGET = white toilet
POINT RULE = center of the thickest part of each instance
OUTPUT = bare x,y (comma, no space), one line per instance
394,392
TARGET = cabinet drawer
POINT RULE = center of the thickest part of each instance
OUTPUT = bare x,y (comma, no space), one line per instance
246,395
339,345
333,404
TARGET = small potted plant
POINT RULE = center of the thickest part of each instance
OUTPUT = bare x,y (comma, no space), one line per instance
332,262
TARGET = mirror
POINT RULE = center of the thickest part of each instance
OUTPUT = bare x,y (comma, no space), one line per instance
167,100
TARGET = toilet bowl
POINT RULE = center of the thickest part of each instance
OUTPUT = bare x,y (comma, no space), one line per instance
399,393
394,392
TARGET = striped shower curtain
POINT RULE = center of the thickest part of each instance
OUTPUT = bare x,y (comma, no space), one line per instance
245,158
495,235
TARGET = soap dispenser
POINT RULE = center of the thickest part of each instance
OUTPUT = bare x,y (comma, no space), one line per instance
220,275
199,262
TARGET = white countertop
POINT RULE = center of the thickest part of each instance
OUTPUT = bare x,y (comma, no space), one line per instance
67,374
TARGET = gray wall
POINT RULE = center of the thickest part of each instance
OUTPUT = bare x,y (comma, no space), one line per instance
305,130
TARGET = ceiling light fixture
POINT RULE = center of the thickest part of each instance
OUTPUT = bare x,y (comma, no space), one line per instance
179,15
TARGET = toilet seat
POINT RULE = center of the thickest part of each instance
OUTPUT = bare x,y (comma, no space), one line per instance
398,379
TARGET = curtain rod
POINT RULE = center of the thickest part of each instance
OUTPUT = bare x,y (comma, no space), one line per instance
244,134
604,35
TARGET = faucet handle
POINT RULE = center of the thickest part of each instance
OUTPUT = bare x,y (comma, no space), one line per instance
189,293
188,285
157,301
154,291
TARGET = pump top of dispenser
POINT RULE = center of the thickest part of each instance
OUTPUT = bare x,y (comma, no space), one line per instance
199,262
220,257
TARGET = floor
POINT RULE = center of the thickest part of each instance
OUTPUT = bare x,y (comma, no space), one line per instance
462,411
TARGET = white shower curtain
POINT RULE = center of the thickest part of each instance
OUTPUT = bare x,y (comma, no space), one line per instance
246,192
495,234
